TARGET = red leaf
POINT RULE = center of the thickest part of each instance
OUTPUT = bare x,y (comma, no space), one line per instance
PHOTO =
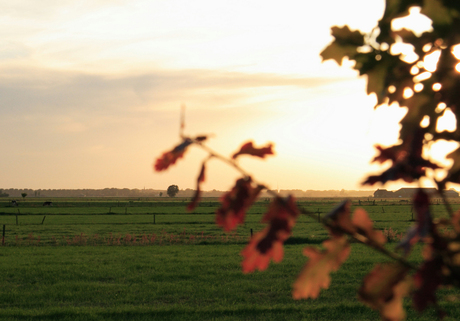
364,226
281,209
170,158
384,288
196,198
235,203
427,280
424,226
339,219
422,209
456,222
268,244
254,259
249,149
315,274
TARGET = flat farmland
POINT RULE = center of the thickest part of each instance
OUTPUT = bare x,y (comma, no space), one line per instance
103,218
150,259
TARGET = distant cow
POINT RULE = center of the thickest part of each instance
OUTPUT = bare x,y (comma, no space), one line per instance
48,204
14,203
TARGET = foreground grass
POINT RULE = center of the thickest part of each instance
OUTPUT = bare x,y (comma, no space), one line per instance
193,279
178,282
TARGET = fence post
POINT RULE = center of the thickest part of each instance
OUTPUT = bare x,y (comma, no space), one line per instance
3,235
43,219
17,220
251,233
319,215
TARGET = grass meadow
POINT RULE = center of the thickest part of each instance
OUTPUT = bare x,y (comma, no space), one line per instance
149,259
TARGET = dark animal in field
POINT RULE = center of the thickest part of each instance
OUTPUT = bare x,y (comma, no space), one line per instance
48,204
14,203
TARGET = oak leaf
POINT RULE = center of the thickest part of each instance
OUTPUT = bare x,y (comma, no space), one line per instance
256,256
384,288
315,274
407,158
268,243
424,226
169,158
345,44
427,279
235,203
364,226
249,149
456,222
339,221
196,197
437,12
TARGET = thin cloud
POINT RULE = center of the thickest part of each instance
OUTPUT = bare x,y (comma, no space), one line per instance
27,89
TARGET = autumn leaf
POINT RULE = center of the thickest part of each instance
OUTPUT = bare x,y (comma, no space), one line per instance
256,259
365,227
268,243
384,288
281,208
196,197
422,209
427,279
249,149
456,222
169,158
235,203
424,226
339,221
315,274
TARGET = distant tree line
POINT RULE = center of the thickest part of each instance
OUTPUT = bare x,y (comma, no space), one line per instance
126,192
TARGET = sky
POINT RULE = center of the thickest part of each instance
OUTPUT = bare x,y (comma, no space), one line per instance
91,93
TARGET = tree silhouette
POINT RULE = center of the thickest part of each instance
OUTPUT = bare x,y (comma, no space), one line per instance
172,190
23,195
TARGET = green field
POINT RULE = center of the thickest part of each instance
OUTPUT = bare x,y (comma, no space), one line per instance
149,259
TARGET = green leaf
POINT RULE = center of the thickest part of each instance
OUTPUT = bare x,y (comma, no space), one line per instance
345,44
347,37
453,175
376,82
437,12
337,52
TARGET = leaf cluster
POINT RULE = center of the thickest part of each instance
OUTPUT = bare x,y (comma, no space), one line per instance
426,82
424,79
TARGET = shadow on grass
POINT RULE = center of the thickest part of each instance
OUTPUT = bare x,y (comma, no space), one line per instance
304,240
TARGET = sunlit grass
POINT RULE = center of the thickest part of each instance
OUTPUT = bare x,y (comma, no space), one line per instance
183,267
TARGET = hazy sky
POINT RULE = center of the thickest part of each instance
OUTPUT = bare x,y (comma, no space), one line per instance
90,92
